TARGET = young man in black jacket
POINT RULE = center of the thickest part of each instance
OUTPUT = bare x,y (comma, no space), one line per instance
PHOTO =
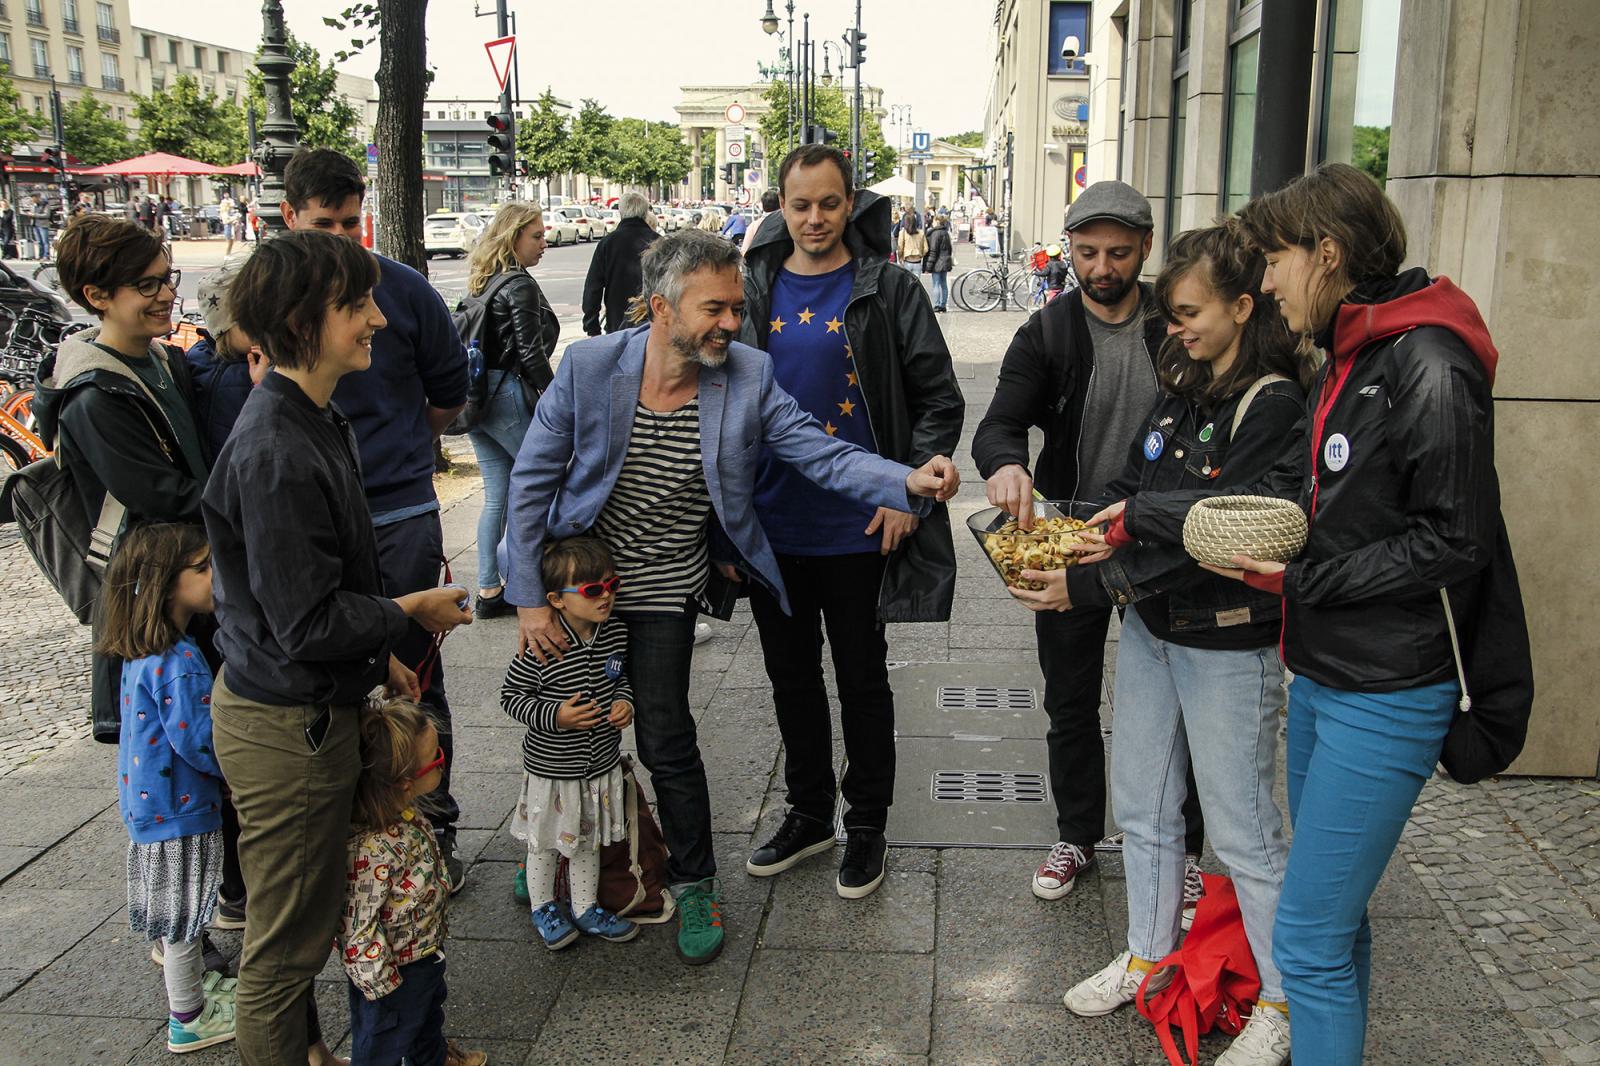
854,341
1083,370
614,276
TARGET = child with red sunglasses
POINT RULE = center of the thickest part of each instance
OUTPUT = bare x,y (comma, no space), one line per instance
575,708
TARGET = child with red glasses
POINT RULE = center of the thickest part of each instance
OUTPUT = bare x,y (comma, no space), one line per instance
575,709
392,935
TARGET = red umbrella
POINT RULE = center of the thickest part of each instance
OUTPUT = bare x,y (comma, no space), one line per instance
246,169
156,164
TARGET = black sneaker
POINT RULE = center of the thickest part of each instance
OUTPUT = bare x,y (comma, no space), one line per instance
861,869
229,914
493,606
452,865
797,838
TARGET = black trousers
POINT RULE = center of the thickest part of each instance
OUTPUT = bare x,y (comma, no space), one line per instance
841,592
411,558
1072,655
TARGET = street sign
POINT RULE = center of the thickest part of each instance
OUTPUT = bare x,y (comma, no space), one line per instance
919,157
734,151
921,142
734,114
744,196
752,178
733,133
500,52
372,156
1081,177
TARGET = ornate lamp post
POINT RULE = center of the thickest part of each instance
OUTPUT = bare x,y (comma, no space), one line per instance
769,26
280,137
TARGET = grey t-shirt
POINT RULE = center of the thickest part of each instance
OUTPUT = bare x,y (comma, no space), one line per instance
1121,393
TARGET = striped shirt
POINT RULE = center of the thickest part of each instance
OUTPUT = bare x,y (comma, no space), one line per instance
533,692
655,520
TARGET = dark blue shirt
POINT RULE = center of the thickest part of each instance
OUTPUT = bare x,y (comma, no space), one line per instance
812,361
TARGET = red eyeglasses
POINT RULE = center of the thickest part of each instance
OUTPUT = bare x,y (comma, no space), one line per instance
593,590
438,761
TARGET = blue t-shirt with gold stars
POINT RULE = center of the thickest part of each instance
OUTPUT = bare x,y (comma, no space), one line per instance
812,361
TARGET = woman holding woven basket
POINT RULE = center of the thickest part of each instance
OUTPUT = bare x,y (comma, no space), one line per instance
1397,479
1199,682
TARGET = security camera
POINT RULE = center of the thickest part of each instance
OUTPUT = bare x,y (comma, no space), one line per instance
1071,47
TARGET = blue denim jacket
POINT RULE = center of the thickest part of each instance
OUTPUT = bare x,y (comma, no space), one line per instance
573,453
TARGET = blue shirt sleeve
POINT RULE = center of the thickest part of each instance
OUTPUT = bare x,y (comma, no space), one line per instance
183,702
441,357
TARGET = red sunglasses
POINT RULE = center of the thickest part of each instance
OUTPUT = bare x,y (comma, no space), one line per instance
438,761
593,590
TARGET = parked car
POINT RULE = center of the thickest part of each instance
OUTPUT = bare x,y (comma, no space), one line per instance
588,229
606,219
451,233
558,228
666,221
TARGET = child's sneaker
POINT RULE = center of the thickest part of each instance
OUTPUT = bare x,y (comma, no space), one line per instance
555,929
213,1025
519,887
597,921
217,985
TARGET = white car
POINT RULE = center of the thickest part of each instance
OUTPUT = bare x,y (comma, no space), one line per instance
597,218
558,228
666,221
589,229
451,233
611,216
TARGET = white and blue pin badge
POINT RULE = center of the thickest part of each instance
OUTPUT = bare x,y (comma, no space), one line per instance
1154,444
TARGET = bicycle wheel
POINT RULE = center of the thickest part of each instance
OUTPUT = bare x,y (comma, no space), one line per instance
980,290
45,274
1022,290
13,456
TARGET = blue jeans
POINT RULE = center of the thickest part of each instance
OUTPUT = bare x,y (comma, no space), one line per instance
941,289
406,1024
41,242
660,648
1357,761
496,439
1219,710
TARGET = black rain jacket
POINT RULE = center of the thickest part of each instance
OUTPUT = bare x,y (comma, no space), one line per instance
614,275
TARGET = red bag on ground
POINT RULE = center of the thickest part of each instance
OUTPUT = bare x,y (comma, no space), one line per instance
1215,981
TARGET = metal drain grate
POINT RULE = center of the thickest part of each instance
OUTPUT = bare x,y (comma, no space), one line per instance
985,698
988,786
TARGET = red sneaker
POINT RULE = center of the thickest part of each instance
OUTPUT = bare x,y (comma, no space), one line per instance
1055,876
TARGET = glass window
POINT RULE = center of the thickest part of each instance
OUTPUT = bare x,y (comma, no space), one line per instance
933,175
1180,121
1358,89
1183,15
75,63
1242,68
108,66
1067,20
199,56
105,15
172,52
69,11
222,62
41,56
5,48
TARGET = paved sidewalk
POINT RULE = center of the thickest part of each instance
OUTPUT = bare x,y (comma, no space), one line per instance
1486,927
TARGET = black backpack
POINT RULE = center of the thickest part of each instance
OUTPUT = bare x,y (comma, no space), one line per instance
471,319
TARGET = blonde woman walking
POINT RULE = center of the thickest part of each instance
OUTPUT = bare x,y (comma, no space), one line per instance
520,334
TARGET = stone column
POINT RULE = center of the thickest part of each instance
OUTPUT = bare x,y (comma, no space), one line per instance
1494,165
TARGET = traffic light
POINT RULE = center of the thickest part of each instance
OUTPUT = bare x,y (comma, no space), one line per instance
857,42
502,143
727,173
821,135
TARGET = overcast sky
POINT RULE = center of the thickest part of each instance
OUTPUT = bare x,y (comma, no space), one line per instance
935,55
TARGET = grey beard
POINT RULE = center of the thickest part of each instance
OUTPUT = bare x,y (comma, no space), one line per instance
693,351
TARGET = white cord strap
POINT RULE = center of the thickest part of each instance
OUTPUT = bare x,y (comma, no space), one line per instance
1455,646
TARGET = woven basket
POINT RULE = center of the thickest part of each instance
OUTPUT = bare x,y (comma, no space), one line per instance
1261,527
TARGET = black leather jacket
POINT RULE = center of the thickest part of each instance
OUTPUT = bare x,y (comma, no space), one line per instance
1177,600
524,331
614,275
1397,476
907,380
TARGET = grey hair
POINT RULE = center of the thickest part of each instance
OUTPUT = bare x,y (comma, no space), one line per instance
669,261
633,205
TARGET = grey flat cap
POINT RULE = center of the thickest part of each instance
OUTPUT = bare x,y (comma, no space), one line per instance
1113,201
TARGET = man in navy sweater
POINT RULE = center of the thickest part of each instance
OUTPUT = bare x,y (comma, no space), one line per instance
414,388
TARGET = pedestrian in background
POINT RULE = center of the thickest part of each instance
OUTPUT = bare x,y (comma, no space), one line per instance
8,231
147,212
614,275
519,337
38,218
769,207
912,244
228,215
939,260
736,227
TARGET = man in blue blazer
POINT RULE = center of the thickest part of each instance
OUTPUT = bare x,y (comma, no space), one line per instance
650,438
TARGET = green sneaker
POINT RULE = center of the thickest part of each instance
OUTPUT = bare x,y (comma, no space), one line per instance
213,1025
519,887
699,923
217,985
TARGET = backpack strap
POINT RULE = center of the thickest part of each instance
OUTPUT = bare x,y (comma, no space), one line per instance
1250,394
103,537
1455,646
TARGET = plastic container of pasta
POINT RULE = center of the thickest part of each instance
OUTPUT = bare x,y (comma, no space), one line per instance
1056,525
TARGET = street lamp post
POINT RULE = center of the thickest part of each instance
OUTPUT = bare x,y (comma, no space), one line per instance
769,25
280,137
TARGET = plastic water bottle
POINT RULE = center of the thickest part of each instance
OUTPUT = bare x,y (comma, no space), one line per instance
474,363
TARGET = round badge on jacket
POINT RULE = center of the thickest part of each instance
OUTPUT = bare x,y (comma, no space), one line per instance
1336,452
1154,444
613,667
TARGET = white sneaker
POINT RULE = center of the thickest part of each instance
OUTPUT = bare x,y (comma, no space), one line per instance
1264,1040
1113,987
702,632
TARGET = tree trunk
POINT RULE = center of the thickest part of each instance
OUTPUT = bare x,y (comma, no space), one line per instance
402,86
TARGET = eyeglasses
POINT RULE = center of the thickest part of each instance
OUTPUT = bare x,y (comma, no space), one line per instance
148,287
593,590
438,761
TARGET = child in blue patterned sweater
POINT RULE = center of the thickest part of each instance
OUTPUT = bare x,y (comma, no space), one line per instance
169,783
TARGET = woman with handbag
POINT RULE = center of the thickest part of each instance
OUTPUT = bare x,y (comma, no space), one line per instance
911,245
520,332
1397,477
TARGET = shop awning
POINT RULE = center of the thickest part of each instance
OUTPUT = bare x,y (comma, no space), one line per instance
155,164
894,186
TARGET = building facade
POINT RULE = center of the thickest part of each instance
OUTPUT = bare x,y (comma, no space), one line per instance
75,46
1038,104
1478,116
944,174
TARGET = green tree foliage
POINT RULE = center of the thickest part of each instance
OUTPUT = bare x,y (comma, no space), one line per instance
544,139
187,122
832,107
1370,151
17,124
92,134
969,139
325,116
591,140
651,154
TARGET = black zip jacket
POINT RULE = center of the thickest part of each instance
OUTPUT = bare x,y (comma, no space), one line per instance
908,382
614,275
300,604
941,256
1396,473
1178,600
523,331
109,432
1044,383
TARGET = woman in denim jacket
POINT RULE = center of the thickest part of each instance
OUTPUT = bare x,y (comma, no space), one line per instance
1198,676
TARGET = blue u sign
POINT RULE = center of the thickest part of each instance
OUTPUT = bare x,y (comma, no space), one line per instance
921,142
